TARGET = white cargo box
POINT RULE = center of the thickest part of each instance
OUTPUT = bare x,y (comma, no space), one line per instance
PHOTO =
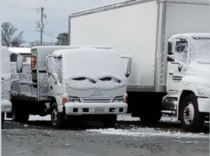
140,29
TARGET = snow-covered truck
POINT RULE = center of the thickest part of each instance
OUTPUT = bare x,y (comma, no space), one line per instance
70,82
6,105
24,52
170,73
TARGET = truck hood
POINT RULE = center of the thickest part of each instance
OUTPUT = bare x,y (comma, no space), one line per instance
198,77
199,68
107,87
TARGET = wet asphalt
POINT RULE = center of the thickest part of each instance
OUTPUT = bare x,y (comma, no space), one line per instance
39,138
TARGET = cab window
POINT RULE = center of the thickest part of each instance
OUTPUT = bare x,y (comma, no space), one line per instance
181,50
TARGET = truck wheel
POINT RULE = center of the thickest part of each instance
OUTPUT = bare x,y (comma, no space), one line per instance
24,117
2,118
18,114
150,117
109,121
191,119
15,113
57,118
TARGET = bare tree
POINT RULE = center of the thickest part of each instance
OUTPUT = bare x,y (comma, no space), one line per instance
62,39
17,40
7,33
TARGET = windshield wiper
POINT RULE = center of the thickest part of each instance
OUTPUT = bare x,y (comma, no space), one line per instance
83,78
110,79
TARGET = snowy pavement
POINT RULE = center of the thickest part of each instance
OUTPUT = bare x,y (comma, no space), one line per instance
130,137
123,117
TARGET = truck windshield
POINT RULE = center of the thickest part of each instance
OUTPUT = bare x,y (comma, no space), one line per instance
5,63
181,50
92,64
200,49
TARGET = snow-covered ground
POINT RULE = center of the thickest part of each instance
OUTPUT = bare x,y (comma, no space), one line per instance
148,132
122,117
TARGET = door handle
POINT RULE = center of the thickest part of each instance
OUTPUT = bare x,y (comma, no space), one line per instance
171,72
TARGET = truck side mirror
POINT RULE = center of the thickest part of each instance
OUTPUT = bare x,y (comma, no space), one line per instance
129,65
19,64
170,58
170,49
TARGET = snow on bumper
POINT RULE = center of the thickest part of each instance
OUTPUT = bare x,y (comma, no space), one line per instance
203,105
6,106
94,108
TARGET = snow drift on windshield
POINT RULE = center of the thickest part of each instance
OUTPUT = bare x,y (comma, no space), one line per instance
88,68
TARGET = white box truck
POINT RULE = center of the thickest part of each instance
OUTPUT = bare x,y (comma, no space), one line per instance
68,82
146,30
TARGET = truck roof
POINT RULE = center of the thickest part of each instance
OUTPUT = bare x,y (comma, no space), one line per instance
132,2
62,52
20,50
44,51
73,47
192,35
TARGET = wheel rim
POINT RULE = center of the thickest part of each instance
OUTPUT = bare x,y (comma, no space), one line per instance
189,113
54,117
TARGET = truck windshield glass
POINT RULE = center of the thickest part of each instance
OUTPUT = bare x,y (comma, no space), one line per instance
200,49
181,51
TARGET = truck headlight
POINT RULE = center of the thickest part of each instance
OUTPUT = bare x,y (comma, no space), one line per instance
118,99
73,99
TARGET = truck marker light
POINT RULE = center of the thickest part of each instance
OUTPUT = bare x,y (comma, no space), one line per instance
64,98
126,99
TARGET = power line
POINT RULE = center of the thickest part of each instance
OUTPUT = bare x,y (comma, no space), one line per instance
19,9
49,34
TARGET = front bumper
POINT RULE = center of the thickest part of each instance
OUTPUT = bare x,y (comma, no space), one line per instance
6,106
94,108
203,105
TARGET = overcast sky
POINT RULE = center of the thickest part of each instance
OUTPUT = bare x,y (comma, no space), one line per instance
23,15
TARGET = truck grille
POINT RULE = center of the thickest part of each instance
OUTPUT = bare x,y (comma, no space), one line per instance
96,100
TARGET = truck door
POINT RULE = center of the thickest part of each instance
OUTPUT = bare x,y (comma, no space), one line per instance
175,73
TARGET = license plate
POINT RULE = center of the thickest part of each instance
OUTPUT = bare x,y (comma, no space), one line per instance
99,110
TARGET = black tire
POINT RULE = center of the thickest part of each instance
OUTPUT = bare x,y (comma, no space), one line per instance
191,119
57,119
24,116
15,113
150,116
19,114
2,119
109,121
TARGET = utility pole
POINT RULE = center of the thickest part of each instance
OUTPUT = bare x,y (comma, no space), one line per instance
42,10
40,24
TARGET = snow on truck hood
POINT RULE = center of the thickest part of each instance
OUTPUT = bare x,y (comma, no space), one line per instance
198,76
199,68
87,68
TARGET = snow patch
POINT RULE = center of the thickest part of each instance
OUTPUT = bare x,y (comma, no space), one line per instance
39,118
147,132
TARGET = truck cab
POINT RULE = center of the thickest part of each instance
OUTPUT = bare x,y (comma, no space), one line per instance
6,105
6,57
86,81
188,79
